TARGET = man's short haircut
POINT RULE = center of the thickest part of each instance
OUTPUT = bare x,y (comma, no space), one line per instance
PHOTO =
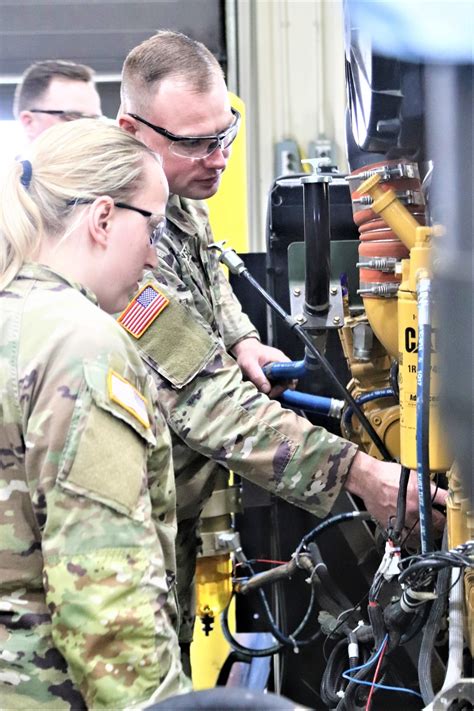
166,54
37,78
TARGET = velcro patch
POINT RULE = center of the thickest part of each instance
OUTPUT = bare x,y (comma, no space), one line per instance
124,394
145,306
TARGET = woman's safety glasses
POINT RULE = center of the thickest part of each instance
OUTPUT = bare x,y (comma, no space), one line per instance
157,222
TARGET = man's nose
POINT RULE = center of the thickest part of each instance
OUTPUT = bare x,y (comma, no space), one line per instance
218,158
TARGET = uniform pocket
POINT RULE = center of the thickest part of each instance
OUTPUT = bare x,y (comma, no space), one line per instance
106,452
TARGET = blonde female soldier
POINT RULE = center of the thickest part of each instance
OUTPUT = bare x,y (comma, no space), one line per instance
86,486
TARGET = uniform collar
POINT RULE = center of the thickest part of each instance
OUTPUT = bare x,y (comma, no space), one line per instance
40,272
188,215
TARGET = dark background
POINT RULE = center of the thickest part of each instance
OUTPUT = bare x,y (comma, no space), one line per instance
99,33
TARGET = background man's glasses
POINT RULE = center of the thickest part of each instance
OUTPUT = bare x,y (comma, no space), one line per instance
65,115
195,147
157,222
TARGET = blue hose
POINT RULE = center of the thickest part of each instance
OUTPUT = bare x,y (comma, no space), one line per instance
315,403
423,415
367,397
285,371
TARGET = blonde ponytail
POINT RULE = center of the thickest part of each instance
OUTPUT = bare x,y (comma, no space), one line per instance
20,224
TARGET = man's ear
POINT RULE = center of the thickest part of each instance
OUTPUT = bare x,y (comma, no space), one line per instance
100,220
27,120
127,123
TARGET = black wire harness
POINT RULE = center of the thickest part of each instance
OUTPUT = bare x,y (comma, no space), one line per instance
420,571
307,558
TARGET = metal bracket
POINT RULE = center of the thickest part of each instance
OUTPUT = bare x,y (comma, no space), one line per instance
460,690
387,172
223,501
407,197
219,542
333,318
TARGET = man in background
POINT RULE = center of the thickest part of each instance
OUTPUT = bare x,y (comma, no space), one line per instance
55,90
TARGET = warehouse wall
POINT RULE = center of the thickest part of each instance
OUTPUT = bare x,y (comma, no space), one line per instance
291,75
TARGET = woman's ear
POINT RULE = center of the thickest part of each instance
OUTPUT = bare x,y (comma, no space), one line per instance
100,220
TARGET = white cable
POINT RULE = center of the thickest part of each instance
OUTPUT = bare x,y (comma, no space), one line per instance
456,642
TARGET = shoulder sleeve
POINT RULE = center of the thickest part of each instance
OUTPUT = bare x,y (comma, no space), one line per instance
236,324
218,415
176,344
195,275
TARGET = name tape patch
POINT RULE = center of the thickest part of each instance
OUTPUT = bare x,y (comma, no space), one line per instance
124,394
142,310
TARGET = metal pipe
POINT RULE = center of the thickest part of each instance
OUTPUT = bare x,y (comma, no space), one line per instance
317,242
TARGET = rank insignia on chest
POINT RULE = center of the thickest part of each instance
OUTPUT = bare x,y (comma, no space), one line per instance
142,310
185,254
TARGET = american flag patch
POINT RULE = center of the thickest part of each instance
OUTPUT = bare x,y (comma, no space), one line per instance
142,310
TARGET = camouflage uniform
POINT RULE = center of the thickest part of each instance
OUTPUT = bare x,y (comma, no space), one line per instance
86,609
217,419
194,272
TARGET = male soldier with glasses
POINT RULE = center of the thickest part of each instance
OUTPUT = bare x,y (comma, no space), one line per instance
175,100
54,90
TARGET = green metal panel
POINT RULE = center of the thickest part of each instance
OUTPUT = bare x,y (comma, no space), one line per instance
344,256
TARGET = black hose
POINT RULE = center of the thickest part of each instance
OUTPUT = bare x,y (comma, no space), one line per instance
283,639
246,651
419,622
401,504
338,663
332,675
393,377
328,583
422,444
348,702
377,622
403,624
329,604
290,640
333,521
430,633
322,360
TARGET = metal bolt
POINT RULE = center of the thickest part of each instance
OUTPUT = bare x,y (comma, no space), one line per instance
336,320
300,318
333,291
377,420
296,292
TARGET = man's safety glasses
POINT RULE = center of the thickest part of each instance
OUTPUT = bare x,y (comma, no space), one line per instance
157,222
65,115
195,147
